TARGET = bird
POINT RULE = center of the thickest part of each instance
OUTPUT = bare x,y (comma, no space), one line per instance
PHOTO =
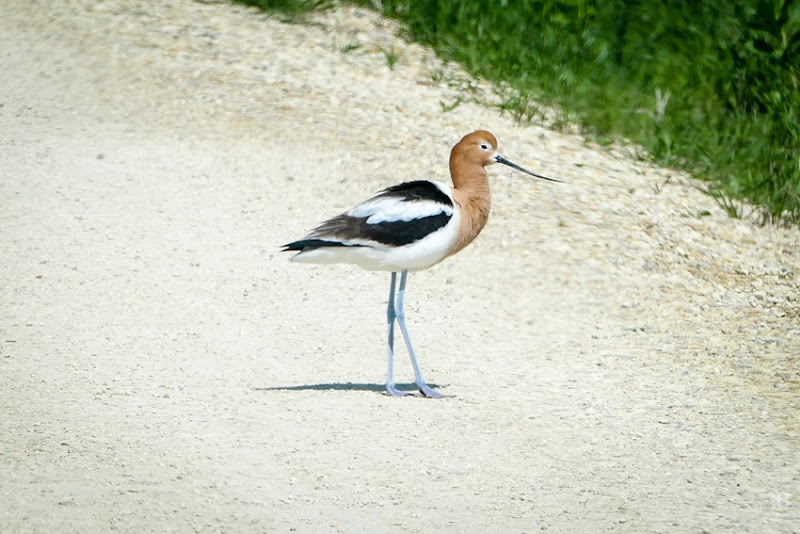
410,227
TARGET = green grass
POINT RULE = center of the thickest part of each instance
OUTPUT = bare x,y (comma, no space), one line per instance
711,86
392,57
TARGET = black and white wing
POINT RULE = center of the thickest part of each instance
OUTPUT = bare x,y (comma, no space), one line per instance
397,216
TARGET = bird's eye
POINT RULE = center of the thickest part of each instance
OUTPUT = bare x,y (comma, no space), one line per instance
484,146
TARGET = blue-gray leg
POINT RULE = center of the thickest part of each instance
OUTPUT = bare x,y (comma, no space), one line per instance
400,315
390,317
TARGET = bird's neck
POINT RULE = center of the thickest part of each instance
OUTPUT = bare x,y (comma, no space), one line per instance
472,194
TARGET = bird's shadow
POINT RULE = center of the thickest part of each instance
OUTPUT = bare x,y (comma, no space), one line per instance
410,387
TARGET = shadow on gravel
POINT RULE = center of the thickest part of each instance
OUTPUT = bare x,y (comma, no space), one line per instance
345,386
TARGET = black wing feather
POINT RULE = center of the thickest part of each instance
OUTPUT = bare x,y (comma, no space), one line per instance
342,230
418,190
309,244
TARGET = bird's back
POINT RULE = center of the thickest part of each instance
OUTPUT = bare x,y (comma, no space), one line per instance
409,226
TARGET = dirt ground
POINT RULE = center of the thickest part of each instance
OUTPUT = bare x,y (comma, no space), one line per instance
623,357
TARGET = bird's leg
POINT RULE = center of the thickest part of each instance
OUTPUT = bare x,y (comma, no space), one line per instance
424,388
390,317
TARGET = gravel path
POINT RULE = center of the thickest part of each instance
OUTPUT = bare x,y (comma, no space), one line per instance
619,361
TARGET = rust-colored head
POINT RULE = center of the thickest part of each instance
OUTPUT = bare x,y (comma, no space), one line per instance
477,150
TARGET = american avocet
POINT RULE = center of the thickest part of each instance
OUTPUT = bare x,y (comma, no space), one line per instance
409,227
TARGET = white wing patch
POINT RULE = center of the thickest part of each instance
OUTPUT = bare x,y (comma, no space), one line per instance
394,209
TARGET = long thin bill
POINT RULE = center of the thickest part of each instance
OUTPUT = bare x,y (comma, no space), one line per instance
504,161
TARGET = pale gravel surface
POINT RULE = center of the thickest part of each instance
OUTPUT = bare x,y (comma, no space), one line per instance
619,364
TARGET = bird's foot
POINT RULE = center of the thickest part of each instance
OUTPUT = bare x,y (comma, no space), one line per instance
394,392
423,390
426,391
